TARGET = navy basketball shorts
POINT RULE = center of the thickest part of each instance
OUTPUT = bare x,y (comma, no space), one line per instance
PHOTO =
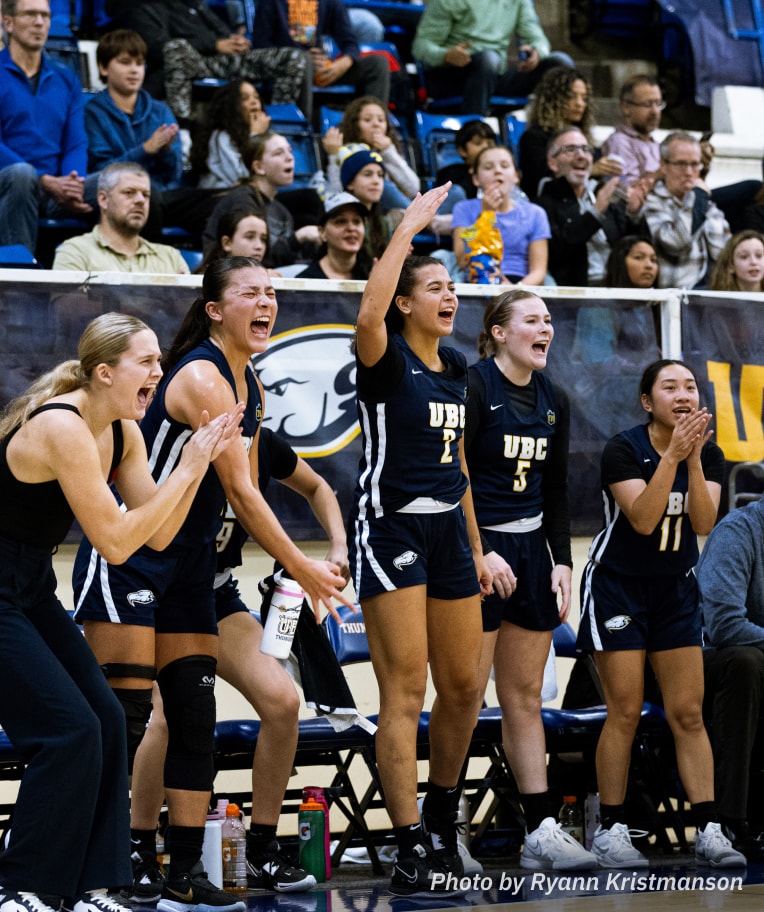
533,605
228,600
413,549
653,613
170,590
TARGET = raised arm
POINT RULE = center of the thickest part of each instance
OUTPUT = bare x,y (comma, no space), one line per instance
371,339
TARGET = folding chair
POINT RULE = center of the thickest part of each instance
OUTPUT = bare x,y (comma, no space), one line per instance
318,744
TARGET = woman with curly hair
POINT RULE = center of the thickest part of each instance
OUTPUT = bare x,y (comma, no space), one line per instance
562,98
235,114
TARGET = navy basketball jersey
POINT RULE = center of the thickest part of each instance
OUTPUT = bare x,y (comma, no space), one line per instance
165,439
275,459
672,547
411,435
508,451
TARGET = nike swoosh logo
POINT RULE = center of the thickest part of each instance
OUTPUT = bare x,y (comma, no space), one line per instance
411,878
647,460
188,896
494,407
414,371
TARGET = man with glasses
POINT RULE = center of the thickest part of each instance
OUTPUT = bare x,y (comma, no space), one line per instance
43,145
585,218
641,106
687,229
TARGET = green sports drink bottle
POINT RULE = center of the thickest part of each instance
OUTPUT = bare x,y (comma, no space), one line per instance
310,827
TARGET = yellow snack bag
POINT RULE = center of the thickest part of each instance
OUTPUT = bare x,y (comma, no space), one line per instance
484,249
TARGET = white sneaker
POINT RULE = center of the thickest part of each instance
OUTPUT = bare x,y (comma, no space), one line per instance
712,848
613,849
550,848
99,902
11,901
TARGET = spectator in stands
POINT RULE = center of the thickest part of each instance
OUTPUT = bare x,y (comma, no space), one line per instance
642,105
43,145
465,48
633,263
187,41
561,99
730,576
124,191
342,232
302,27
740,266
661,484
687,229
585,220
240,232
362,173
524,226
269,159
367,120
234,116
470,140
124,123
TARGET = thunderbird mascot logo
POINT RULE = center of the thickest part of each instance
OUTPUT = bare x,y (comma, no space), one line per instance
309,379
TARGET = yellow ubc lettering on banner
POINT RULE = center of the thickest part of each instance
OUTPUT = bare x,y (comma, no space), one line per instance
751,447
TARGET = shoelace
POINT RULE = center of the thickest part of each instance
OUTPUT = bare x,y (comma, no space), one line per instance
623,836
34,901
716,841
105,902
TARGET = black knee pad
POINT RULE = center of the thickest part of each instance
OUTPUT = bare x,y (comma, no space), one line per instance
137,707
188,692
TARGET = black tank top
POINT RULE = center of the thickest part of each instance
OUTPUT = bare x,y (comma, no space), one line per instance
39,514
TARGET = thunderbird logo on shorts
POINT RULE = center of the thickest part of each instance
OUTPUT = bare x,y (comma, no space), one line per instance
405,560
309,378
141,597
618,622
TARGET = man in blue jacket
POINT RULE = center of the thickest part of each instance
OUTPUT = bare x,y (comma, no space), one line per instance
730,576
43,145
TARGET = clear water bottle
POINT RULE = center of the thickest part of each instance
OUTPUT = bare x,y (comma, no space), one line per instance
571,819
234,840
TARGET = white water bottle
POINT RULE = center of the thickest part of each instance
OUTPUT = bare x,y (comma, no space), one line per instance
283,615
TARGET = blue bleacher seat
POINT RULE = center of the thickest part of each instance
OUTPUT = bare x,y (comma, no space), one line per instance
453,103
193,258
436,134
16,256
512,129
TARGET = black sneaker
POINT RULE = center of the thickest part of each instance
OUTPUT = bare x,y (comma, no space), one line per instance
443,836
11,901
744,839
425,873
271,869
148,879
193,892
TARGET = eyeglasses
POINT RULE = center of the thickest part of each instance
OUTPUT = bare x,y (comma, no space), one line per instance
694,166
31,15
645,105
571,150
